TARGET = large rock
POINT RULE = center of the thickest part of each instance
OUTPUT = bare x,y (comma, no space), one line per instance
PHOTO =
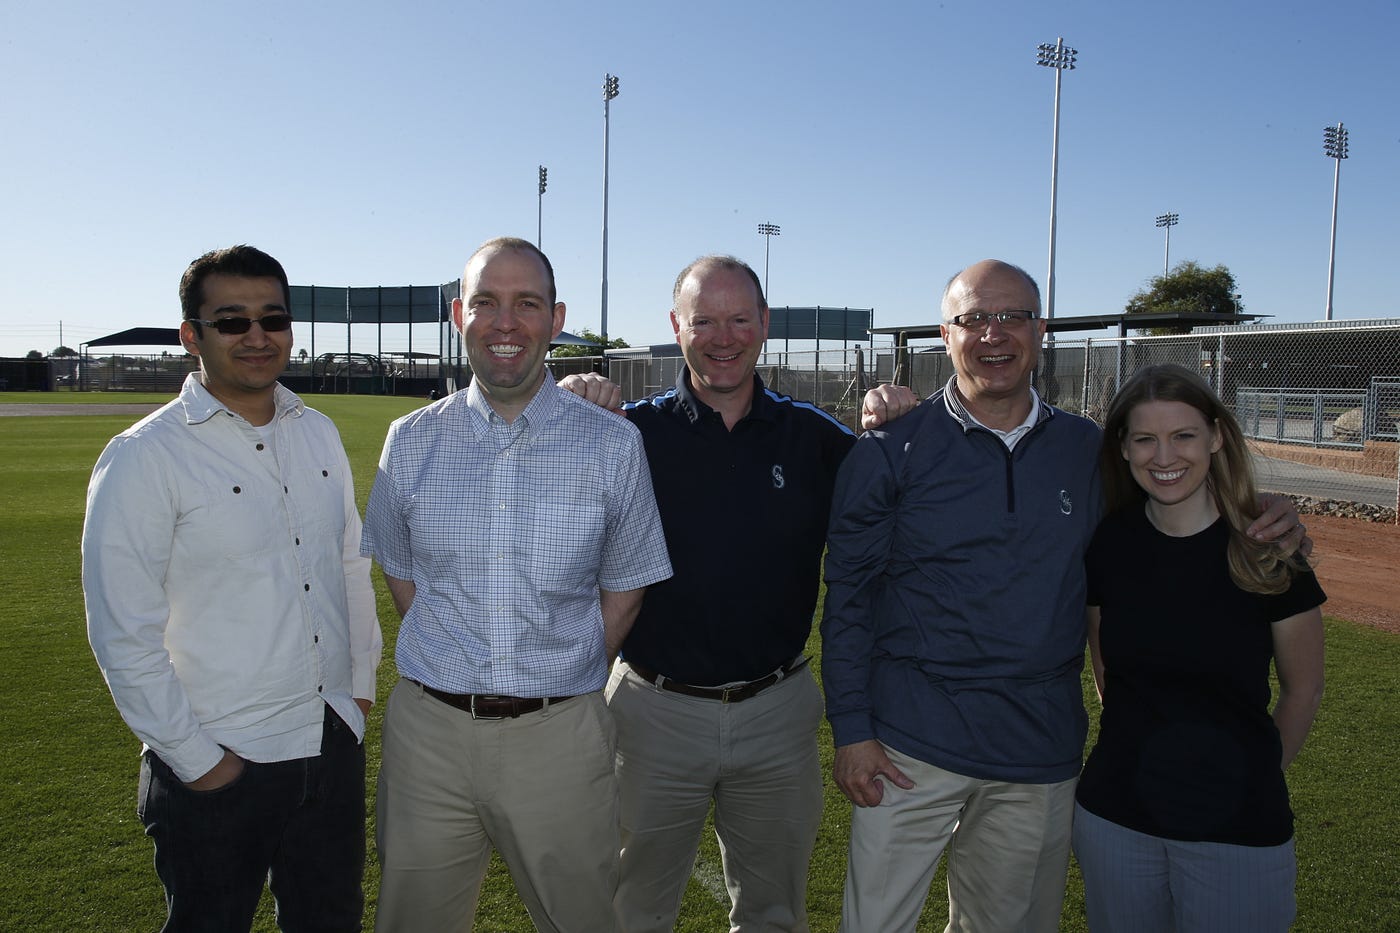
1350,426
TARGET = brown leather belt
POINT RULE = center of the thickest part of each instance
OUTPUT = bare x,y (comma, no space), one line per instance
490,706
736,694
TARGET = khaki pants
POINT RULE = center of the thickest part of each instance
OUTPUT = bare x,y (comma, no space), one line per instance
1008,852
756,760
540,788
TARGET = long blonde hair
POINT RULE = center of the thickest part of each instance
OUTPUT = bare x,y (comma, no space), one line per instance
1255,566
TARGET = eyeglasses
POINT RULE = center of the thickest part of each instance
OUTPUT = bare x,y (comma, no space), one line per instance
233,326
981,320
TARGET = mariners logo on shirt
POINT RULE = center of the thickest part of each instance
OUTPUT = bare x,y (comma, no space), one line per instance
778,481
1066,502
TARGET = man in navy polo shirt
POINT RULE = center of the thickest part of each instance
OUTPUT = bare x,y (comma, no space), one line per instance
713,699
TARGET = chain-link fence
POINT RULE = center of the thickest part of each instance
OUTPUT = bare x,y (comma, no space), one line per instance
1320,402
830,379
330,373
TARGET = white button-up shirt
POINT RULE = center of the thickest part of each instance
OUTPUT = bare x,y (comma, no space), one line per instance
226,596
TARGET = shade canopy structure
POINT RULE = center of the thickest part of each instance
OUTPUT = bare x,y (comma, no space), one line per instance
139,337
170,337
1121,320
566,339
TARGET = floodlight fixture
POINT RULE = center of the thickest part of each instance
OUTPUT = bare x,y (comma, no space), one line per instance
1061,58
768,231
539,223
610,90
1334,146
1168,221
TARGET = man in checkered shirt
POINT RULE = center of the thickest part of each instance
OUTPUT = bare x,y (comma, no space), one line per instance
517,531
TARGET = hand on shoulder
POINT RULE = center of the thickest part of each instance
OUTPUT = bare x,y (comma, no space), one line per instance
885,403
595,388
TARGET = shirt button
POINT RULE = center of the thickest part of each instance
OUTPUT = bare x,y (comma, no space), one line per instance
260,447
306,587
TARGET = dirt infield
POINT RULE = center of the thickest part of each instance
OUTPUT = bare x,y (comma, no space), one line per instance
1358,564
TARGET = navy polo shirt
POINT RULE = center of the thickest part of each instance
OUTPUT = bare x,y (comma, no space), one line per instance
745,514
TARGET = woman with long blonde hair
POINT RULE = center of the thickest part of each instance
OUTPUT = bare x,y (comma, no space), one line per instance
1182,819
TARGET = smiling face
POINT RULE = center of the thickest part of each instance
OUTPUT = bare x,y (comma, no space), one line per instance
993,365
1168,446
507,323
720,323
240,370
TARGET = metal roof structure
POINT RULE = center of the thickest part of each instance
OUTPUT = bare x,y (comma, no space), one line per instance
170,337
1122,321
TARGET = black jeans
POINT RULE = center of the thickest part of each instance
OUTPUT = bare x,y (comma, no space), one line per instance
299,825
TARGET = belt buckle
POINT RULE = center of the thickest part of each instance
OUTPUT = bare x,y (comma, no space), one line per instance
481,716
725,691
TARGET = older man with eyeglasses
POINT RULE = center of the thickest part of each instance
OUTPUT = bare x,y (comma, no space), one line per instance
953,633
233,618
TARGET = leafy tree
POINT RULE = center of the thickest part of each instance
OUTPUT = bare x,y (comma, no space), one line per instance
1189,287
616,343
63,351
33,355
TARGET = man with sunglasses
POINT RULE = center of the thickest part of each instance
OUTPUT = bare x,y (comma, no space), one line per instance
953,631
233,618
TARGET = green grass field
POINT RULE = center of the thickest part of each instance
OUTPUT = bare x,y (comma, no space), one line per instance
73,857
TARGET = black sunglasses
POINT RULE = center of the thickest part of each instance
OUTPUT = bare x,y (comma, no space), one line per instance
233,326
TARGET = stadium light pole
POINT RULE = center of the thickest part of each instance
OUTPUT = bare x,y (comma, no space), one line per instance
768,231
609,92
539,227
1334,145
1168,221
1061,58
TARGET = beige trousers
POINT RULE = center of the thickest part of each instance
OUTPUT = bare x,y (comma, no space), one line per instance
756,761
540,788
1008,853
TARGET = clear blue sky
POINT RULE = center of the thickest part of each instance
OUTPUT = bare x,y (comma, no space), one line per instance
377,144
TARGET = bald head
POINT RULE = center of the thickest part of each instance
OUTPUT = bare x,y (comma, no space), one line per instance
715,261
990,275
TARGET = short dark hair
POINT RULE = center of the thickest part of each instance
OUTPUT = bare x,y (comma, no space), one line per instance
244,261
720,262
515,243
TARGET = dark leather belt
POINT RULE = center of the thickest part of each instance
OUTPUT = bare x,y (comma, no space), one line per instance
490,706
736,694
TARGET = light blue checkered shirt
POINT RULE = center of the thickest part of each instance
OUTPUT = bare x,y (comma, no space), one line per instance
507,531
